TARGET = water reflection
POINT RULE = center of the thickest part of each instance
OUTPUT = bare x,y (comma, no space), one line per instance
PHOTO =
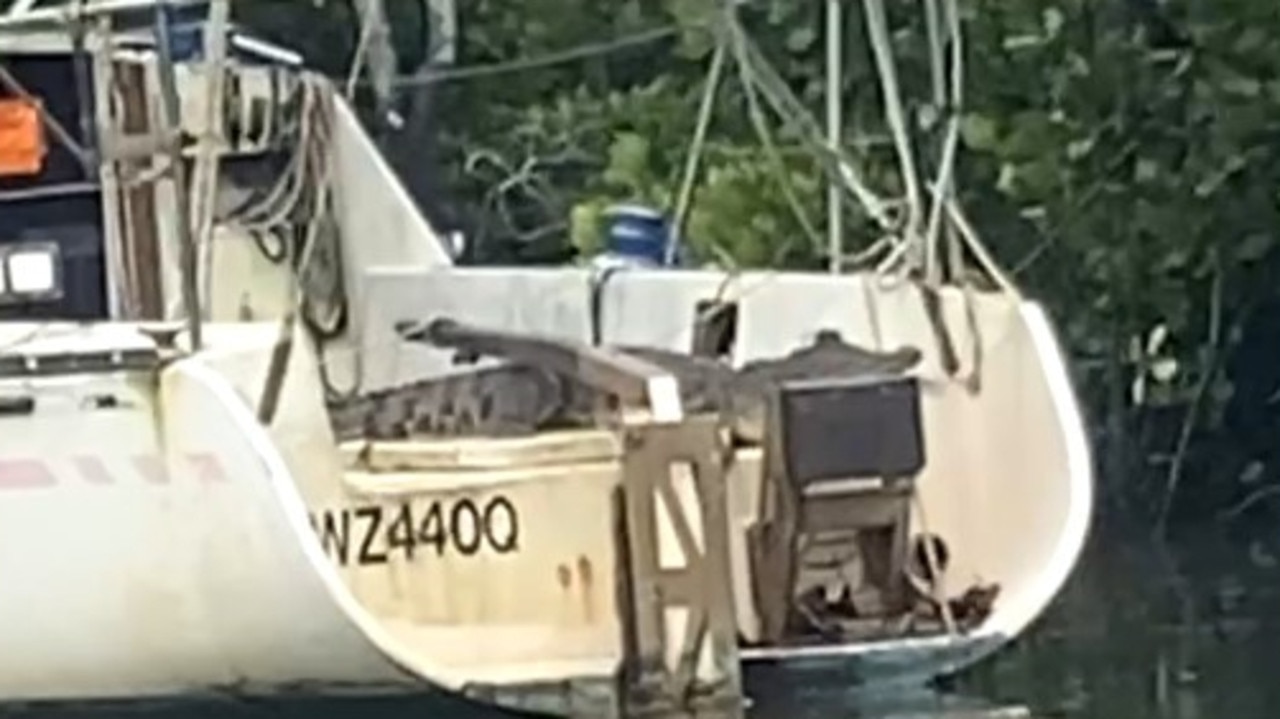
1141,632
1150,632
899,703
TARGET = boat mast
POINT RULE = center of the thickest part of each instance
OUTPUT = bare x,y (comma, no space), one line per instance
376,51
835,121
205,182
169,110
416,158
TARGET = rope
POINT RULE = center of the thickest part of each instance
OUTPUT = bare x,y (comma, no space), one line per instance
316,276
942,189
756,114
938,587
300,201
793,112
948,93
877,28
938,78
285,196
693,160
289,204
357,60
954,254
435,75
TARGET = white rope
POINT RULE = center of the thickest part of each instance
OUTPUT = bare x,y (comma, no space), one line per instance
756,114
948,92
284,197
878,31
793,112
684,198
322,171
942,192
301,195
938,77
955,255
357,60
980,251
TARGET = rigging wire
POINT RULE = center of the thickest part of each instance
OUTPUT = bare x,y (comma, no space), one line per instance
947,110
684,199
756,115
878,29
793,112
432,76
760,79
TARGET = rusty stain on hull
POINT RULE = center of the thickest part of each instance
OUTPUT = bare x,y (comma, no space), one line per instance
585,578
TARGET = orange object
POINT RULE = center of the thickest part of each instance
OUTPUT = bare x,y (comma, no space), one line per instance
22,142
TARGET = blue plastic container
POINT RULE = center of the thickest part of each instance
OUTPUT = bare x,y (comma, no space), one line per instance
637,234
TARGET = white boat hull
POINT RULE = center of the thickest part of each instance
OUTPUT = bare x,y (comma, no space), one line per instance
160,547
164,545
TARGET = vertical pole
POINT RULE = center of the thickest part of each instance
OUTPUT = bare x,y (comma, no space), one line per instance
170,126
376,53
204,184
443,33
417,156
103,81
937,70
835,122
82,69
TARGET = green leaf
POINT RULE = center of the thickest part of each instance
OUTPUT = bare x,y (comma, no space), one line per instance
1173,260
585,221
1243,86
801,39
979,132
1006,183
1253,248
1080,149
1146,170
1053,21
695,43
628,161
1022,42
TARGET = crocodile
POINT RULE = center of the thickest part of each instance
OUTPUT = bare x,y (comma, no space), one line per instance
518,398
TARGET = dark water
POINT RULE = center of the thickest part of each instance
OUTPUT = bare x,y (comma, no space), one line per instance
1186,631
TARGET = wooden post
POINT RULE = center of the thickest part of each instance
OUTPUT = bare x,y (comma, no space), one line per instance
204,185
678,618
171,114
119,289
137,203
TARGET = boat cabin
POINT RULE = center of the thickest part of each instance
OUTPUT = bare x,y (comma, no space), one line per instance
82,232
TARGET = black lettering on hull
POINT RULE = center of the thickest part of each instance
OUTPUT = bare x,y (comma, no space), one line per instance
466,527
